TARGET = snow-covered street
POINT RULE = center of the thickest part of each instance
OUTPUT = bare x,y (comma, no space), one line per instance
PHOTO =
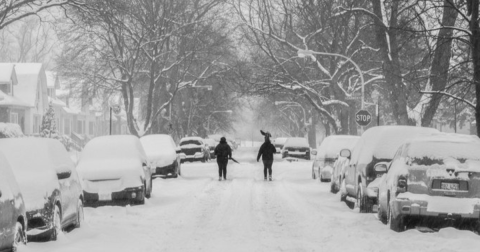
196,212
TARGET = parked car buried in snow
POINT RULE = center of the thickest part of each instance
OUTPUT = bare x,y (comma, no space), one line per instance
377,144
115,168
13,217
296,148
432,181
162,154
328,153
194,149
211,146
49,184
278,143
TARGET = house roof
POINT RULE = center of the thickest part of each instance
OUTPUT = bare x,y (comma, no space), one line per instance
29,77
8,74
7,100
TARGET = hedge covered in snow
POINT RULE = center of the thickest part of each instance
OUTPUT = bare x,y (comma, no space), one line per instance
10,130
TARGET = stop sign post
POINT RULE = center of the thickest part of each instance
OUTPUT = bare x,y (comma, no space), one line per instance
363,118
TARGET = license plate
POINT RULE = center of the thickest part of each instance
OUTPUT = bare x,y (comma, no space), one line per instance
105,196
450,186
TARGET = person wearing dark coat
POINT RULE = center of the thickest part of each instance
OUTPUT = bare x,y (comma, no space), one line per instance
223,153
266,152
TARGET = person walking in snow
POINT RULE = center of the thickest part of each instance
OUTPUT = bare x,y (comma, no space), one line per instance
223,153
266,152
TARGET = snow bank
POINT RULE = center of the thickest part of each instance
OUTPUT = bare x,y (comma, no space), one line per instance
296,142
160,149
382,142
10,130
332,145
32,162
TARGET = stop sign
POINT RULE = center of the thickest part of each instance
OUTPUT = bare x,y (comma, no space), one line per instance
363,118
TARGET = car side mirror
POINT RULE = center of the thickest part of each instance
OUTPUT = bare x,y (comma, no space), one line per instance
345,153
313,152
381,167
0,193
64,175
178,150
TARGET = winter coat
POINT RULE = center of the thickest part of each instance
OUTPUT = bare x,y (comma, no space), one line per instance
223,152
266,151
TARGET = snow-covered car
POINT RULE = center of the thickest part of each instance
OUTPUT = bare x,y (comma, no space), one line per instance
278,143
49,184
162,154
377,144
296,148
115,168
194,149
211,146
13,218
338,173
328,153
432,181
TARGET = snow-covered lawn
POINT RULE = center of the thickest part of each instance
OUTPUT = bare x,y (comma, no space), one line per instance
196,212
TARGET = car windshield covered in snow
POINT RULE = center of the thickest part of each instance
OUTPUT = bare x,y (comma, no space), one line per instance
332,145
296,142
442,150
190,141
113,147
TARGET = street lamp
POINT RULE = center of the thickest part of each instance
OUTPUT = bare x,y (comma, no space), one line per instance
309,53
214,112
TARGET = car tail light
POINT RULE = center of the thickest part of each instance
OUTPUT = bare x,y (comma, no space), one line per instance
401,184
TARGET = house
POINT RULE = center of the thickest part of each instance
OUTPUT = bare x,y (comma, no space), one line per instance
32,90
12,109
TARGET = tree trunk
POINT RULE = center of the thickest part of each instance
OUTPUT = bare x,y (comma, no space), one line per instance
475,43
312,132
386,38
441,61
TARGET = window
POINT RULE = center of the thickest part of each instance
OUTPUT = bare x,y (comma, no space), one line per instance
5,88
91,127
79,127
14,118
66,126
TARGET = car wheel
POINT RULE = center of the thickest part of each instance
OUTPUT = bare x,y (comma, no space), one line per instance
80,215
148,192
396,224
141,201
333,187
361,204
57,224
19,238
314,176
381,215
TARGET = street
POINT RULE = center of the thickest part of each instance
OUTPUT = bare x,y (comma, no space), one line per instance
196,212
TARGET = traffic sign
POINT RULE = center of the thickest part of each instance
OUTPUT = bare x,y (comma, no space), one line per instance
363,118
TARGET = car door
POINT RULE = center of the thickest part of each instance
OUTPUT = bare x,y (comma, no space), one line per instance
7,210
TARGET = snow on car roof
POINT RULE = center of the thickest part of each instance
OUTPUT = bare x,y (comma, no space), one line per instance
332,145
191,138
115,146
159,148
443,146
280,140
296,142
382,142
